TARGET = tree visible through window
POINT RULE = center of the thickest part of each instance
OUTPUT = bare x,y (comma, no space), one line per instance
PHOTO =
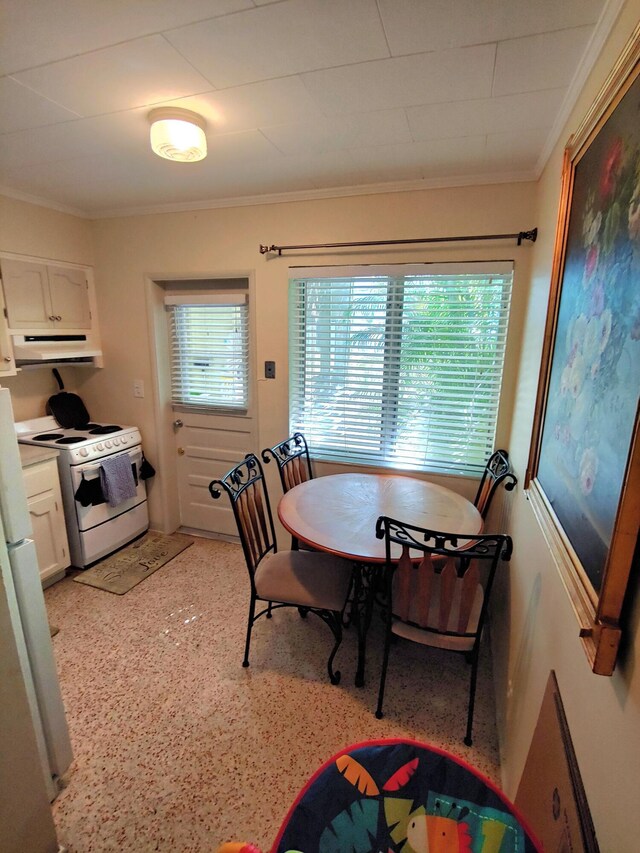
400,367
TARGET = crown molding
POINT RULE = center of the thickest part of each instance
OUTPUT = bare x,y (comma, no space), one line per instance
314,195
43,202
280,198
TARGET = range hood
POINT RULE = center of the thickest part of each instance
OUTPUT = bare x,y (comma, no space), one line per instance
45,350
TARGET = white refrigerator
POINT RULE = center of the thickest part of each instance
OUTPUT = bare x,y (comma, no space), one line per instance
30,680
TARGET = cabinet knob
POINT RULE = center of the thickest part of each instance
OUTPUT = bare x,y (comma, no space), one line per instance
178,423
58,317
52,317
181,451
7,358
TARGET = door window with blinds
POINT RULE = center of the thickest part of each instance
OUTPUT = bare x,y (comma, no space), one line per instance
209,353
400,366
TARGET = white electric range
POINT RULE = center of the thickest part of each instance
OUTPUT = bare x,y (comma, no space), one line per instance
96,529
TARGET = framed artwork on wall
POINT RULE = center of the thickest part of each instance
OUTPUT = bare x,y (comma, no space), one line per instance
584,465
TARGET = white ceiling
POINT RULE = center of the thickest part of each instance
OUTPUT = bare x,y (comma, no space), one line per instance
301,97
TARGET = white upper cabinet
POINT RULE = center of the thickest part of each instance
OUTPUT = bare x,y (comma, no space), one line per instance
45,297
69,289
7,361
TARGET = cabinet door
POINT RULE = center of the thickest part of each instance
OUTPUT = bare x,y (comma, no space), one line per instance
69,298
7,364
46,518
26,293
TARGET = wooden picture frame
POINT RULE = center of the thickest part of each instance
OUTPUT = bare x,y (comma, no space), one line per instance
583,476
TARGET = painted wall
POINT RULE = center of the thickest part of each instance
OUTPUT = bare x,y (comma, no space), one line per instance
226,243
538,631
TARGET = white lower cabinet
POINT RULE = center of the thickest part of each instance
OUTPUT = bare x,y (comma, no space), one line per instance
47,515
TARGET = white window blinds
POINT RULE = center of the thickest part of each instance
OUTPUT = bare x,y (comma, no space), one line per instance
399,367
209,351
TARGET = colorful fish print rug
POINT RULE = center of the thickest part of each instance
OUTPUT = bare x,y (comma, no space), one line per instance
399,796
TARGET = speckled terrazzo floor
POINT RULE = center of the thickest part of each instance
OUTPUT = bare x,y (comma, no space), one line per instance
178,748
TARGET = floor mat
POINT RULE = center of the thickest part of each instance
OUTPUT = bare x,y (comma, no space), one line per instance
122,571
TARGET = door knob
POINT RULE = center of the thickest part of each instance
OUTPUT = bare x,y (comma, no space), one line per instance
178,423
181,451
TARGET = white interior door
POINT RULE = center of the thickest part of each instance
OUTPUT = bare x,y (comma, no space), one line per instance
207,446
212,415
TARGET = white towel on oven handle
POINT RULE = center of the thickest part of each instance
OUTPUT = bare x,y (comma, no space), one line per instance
116,478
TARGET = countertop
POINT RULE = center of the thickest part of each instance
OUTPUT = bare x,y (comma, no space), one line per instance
30,454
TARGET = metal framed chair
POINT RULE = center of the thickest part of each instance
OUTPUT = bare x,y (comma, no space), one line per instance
434,598
312,581
497,470
292,459
294,466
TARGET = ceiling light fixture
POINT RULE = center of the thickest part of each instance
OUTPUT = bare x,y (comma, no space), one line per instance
178,134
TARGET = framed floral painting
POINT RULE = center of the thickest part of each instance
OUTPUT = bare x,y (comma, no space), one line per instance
584,467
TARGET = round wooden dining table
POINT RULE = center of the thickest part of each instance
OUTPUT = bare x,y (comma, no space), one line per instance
338,514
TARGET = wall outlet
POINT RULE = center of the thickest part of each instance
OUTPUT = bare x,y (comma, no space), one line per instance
138,388
269,370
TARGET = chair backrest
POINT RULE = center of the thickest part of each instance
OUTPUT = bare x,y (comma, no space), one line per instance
247,490
432,588
497,470
292,458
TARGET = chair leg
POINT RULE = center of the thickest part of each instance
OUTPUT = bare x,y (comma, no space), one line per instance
334,621
348,619
385,663
472,697
252,610
358,618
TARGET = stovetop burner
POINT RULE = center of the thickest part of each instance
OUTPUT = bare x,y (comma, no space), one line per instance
78,444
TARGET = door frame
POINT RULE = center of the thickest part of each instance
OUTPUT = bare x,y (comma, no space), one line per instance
160,373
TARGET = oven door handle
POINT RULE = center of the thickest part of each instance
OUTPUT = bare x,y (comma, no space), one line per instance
90,490
94,467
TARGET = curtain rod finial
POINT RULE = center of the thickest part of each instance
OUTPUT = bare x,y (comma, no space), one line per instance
528,235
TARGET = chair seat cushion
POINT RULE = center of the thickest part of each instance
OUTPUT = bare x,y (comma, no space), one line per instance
304,578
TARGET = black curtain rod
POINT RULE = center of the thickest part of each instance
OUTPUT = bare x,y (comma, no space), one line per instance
519,236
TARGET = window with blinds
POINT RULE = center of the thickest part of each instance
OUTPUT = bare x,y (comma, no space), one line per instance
399,366
209,351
